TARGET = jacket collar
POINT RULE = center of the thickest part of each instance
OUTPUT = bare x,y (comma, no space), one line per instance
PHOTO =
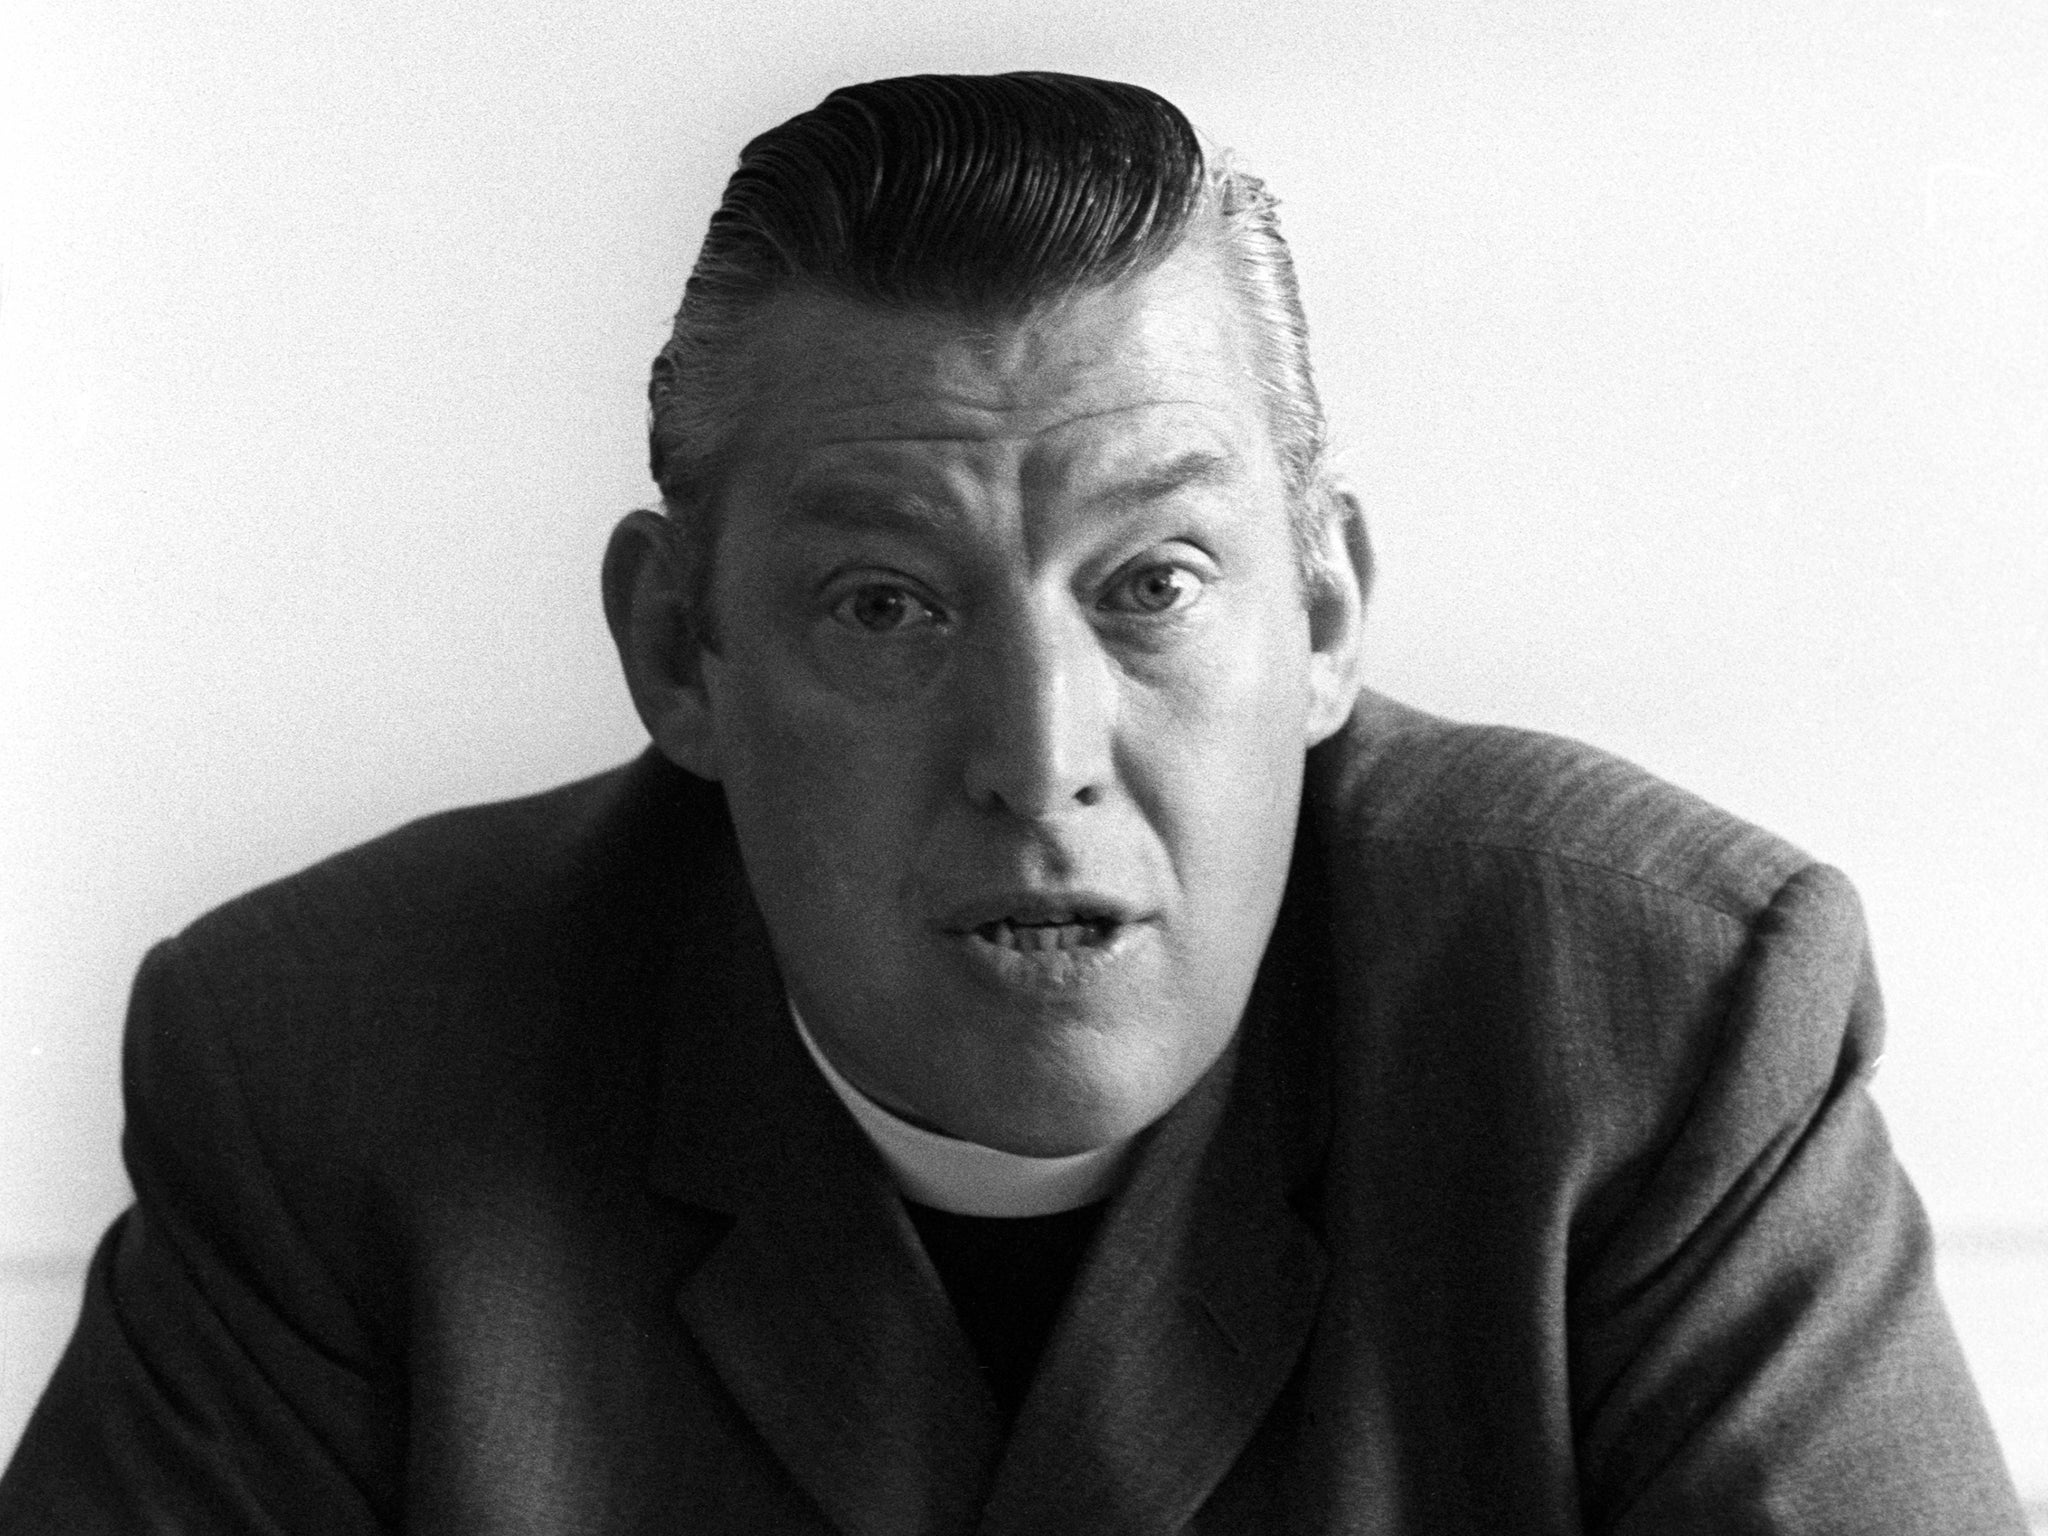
828,1326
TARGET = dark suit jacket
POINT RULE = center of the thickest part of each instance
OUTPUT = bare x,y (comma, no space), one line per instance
481,1185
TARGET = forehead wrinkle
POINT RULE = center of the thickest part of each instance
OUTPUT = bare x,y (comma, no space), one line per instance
851,507
1195,469
1178,450
1019,433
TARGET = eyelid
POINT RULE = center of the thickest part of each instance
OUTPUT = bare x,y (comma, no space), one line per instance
1156,560
840,588
848,578
1183,554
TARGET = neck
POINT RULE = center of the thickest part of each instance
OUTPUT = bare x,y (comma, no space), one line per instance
965,1177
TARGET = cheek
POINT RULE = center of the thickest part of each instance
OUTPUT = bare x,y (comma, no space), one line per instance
819,785
780,717
1214,749
1235,697
876,676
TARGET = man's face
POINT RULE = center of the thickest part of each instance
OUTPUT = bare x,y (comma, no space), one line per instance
1011,695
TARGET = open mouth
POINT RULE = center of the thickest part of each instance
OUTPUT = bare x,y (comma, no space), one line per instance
1042,938
1033,935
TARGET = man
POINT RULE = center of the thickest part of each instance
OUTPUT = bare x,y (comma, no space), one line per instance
982,1070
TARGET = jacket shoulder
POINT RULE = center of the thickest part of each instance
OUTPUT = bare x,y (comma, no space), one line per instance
395,898
1536,936
1614,1044
460,1004
472,933
1397,775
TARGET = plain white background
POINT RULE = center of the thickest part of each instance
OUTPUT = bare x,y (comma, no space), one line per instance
1692,362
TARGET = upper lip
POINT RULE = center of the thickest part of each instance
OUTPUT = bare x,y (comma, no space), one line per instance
1028,906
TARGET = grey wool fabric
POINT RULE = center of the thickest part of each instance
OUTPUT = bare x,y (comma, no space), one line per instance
483,1187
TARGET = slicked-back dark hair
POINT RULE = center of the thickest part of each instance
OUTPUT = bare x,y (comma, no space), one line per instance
983,195
971,193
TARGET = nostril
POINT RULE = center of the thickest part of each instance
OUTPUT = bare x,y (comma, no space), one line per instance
1088,794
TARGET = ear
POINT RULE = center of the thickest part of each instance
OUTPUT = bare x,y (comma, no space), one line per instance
1336,612
648,598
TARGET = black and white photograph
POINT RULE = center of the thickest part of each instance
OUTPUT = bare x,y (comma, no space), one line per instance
918,769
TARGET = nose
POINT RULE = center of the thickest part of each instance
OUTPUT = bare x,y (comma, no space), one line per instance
1040,706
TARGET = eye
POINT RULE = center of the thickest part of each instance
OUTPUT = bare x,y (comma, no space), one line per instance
1153,589
884,608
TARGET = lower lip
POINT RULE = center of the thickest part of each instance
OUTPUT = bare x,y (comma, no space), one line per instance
1055,967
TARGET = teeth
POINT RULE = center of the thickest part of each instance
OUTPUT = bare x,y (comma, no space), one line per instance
1064,932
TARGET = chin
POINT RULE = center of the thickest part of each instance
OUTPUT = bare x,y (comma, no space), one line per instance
1093,1098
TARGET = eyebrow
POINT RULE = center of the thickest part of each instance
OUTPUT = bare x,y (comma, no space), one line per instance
1197,469
868,509
863,509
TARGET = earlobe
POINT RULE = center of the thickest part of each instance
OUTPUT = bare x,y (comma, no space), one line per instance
1336,613
647,605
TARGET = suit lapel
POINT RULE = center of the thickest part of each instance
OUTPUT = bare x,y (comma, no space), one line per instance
818,1309
1188,1316
843,1353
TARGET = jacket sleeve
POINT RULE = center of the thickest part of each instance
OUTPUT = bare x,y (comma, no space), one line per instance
1759,1347
217,1380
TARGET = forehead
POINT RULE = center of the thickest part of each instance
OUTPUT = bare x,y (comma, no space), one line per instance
1153,365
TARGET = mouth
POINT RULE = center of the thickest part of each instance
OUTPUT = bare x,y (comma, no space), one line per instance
1027,932
1029,935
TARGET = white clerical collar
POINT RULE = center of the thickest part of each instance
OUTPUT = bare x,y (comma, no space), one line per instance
965,1177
